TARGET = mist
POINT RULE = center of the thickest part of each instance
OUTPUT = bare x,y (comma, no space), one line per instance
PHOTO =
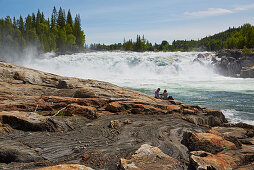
23,57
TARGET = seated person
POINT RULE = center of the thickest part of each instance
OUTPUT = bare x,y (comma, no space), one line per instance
164,95
157,93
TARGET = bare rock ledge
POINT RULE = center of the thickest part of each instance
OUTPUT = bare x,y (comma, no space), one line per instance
53,122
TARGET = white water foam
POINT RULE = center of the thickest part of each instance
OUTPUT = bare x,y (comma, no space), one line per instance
187,80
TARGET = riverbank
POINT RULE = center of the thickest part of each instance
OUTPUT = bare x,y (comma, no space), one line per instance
48,120
235,63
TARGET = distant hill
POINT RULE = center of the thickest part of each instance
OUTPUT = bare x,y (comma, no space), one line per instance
233,38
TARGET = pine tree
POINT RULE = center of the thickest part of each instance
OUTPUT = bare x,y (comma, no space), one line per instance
78,33
33,20
28,24
14,22
54,17
21,24
69,18
61,18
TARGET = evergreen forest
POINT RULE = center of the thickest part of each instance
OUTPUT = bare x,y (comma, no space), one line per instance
233,38
60,33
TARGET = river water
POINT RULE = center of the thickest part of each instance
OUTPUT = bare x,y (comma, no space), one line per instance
192,83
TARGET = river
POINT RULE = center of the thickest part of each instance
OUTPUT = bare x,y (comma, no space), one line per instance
185,80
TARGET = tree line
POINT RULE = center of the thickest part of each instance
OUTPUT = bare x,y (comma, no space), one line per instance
60,33
233,38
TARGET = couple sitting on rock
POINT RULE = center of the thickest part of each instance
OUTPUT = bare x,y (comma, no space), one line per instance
164,95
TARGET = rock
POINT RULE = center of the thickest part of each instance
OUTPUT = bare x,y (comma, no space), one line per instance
197,60
204,119
62,84
16,152
115,124
201,56
28,77
85,93
127,121
174,108
247,72
188,111
4,129
206,142
246,167
219,117
240,157
86,111
30,98
31,122
231,131
227,159
235,63
67,167
148,157
85,157
114,107
206,160
247,141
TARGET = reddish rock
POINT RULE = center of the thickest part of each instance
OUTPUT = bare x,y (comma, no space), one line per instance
145,109
189,111
205,160
30,121
127,121
94,102
246,167
85,157
114,107
231,131
174,108
67,167
86,111
207,142
243,156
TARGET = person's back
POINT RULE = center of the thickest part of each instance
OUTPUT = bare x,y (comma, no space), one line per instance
157,93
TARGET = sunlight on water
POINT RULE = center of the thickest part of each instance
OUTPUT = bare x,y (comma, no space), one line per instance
175,71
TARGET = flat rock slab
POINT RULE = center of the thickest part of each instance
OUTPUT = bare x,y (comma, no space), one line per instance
28,121
14,151
148,157
231,131
103,145
67,167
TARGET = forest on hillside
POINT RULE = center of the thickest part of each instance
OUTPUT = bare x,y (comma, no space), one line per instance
60,33
233,38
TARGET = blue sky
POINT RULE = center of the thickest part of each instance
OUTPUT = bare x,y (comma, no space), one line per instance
110,21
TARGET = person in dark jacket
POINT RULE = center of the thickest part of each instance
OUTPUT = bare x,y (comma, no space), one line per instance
157,93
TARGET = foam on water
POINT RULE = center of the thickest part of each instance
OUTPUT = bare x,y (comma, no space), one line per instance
175,71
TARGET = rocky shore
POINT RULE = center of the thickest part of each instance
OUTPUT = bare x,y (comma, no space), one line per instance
234,63
53,122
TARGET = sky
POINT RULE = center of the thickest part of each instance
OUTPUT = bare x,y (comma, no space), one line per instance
110,21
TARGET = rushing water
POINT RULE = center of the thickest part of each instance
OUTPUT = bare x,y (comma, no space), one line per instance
189,82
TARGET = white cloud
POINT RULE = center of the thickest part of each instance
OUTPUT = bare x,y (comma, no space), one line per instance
209,12
156,35
244,7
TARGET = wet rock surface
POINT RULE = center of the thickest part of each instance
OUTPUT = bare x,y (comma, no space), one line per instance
48,120
235,63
